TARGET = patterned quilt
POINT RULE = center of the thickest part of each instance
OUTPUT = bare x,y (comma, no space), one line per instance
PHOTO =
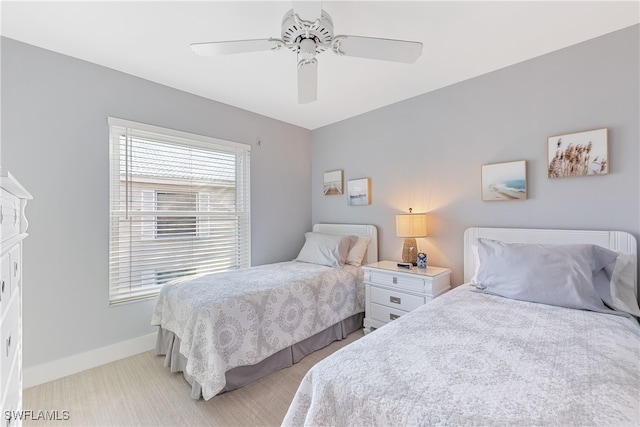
238,318
469,358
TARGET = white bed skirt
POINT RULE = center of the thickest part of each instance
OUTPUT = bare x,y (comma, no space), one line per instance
168,345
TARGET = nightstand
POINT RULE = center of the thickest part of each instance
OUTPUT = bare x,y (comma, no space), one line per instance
392,291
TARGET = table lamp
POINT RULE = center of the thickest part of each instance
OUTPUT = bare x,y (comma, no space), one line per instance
410,226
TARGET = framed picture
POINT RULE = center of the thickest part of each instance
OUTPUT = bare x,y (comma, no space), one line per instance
359,191
578,154
333,182
504,181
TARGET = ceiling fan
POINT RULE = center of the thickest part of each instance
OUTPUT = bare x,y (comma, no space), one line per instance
308,31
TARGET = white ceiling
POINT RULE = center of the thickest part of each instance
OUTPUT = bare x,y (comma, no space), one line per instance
461,40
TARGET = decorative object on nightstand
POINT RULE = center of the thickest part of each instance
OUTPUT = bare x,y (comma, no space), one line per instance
391,291
410,226
422,260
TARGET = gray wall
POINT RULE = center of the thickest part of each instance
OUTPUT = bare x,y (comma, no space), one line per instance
426,152
423,153
55,141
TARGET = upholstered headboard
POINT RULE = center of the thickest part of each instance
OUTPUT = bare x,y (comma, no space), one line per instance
614,240
354,230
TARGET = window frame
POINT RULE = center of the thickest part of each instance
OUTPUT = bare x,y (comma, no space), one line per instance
148,224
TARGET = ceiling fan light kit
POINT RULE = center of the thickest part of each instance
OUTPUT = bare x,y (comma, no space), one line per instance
310,37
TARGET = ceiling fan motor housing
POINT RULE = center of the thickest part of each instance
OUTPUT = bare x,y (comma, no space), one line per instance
293,33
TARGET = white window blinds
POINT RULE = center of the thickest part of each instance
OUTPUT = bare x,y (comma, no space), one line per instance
179,207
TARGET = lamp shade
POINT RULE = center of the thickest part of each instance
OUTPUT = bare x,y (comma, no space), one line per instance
411,225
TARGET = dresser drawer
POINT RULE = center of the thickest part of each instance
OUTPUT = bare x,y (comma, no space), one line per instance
11,403
383,313
9,216
15,267
5,283
395,299
409,282
9,339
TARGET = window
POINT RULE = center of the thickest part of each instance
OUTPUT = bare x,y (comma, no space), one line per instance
179,207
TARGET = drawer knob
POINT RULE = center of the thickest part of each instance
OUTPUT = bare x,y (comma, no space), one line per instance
8,345
15,268
395,280
395,300
2,287
393,316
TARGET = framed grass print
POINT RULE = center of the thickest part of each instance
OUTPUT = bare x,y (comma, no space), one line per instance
359,191
333,182
578,154
504,181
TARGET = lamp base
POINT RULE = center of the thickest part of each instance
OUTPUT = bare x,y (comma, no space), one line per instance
410,251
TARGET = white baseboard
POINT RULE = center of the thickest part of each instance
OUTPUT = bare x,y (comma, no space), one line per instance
50,371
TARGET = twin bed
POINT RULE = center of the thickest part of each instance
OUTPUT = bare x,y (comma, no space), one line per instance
544,331
488,352
225,330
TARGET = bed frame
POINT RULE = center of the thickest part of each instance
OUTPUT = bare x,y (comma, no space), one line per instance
614,240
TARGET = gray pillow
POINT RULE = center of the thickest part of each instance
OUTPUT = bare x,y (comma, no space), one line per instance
560,275
325,249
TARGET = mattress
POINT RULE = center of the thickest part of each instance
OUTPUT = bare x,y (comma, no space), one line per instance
471,358
239,318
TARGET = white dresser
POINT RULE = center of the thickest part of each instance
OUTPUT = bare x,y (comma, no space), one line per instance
392,291
13,227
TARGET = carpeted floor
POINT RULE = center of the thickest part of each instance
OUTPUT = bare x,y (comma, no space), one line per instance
140,391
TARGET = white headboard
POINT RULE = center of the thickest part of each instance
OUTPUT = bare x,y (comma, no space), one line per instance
354,230
614,240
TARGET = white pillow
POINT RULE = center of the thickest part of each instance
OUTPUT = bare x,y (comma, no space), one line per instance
325,249
357,251
623,291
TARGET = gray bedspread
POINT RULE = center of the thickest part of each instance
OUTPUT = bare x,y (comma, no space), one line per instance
469,358
238,318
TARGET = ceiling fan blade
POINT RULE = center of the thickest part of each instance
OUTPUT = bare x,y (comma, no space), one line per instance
307,81
236,46
374,48
307,10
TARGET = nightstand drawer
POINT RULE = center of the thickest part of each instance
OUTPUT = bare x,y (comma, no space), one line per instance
395,299
404,281
384,314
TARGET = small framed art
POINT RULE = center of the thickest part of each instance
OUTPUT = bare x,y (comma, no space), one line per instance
333,182
504,181
578,154
359,191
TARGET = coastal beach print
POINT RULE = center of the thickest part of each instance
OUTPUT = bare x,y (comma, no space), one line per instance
359,192
333,183
504,181
578,154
